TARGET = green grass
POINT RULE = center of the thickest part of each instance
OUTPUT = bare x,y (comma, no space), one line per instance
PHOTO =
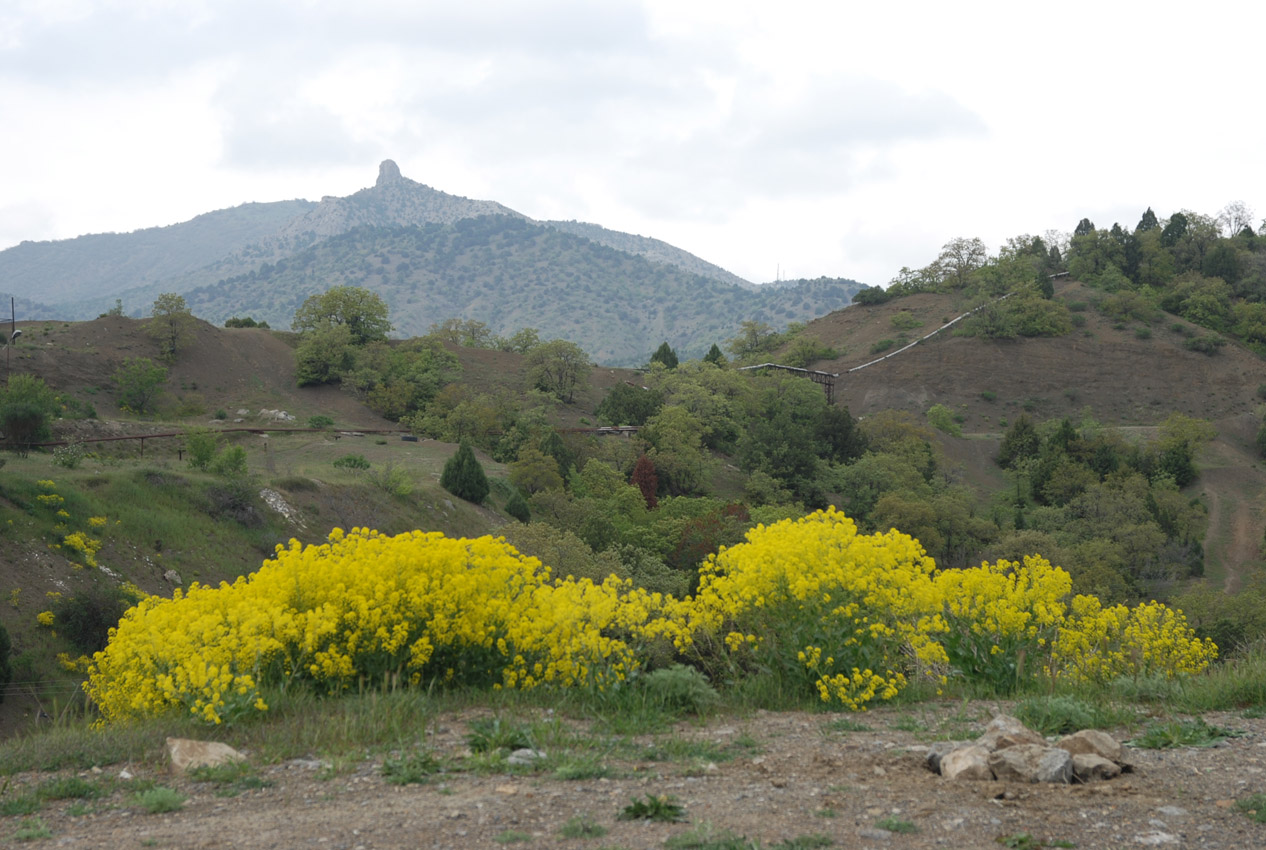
706,837
1253,806
416,767
231,778
1181,733
160,799
490,734
512,836
845,724
898,825
661,808
1063,714
70,788
27,804
582,826
32,829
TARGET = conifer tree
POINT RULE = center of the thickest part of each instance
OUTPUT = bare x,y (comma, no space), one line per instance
714,355
665,354
464,477
517,507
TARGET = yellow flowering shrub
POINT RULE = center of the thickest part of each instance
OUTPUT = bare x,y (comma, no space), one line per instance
1098,644
84,545
850,613
405,608
1002,618
44,618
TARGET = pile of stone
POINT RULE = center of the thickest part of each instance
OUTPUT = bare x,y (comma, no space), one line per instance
1011,751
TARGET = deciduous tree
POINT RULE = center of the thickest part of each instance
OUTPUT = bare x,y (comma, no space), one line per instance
171,324
361,311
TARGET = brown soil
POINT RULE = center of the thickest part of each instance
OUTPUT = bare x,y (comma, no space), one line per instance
796,777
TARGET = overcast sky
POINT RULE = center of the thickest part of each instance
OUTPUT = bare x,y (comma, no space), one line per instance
817,138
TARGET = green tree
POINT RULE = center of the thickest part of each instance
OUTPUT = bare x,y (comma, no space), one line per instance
1147,222
626,404
665,355
139,381
202,444
27,408
517,507
715,356
559,368
1020,443
324,355
464,477
171,324
361,311
535,471
754,338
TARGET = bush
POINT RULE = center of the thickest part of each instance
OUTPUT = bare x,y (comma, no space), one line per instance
85,619
69,455
517,507
201,444
882,346
1205,344
392,480
680,689
464,477
321,422
941,418
230,463
352,462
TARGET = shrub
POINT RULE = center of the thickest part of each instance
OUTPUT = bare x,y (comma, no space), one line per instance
70,455
85,619
352,462
680,689
464,477
882,346
201,444
392,480
322,422
1205,344
161,799
230,463
517,507
941,418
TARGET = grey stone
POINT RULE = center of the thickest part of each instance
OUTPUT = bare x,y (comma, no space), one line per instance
969,762
186,754
1093,742
1005,731
1032,763
525,756
1089,767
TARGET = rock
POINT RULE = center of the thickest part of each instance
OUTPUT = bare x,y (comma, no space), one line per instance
388,172
172,577
1032,763
1093,742
969,762
1172,811
525,756
1005,731
1155,839
938,751
187,754
1088,767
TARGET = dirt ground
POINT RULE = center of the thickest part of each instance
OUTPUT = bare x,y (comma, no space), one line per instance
792,775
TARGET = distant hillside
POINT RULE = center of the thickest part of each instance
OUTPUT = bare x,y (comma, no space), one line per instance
511,273
652,249
102,266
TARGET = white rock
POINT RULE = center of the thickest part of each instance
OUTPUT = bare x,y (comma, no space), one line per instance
970,762
186,754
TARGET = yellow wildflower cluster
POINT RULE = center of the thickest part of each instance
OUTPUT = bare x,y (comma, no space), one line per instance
1099,644
45,618
852,617
815,599
999,616
366,605
84,545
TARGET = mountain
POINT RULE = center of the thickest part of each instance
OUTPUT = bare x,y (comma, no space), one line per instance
432,256
512,273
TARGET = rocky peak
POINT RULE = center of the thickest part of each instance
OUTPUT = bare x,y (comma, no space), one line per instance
388,172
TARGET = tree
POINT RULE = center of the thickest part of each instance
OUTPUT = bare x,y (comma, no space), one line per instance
1020,443
517,507
1234,217
324,355
1147,222
27,407
361,311
645,479
172,324
626,404
665,355
1084,227
559,368
535,471
754,338
140,380
464,477
715,356
959,257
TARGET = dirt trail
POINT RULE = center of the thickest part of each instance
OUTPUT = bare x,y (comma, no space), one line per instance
1233,491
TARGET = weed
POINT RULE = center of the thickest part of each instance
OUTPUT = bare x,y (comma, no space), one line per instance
582,826
512,836
989,395
32,829
845,724
232,778
160,799
492,734
69,788
663,808
1025,841
1061,715
680,689
705,837
1182,733
411,768
354,463
826,813
28,804
1254,807
881,346
583,767
904,827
